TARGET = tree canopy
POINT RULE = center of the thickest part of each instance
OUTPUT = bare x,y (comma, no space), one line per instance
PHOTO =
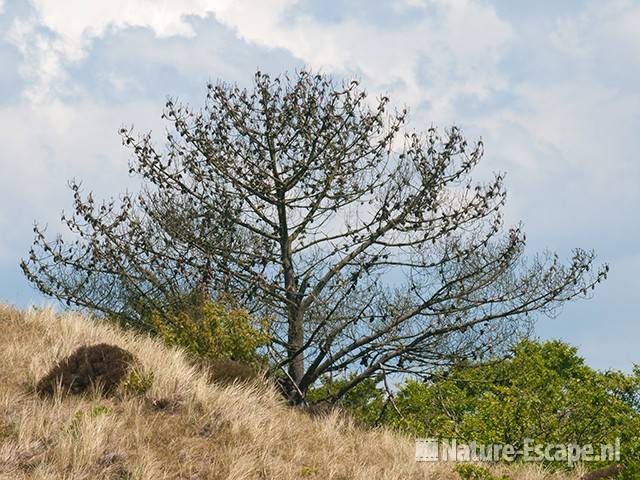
543,392
367,244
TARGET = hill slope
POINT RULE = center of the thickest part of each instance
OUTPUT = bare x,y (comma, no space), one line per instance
182,427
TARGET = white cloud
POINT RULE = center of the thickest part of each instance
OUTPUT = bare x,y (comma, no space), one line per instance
43,58
453,50
566,131
602,28
456,44
79,21
74,24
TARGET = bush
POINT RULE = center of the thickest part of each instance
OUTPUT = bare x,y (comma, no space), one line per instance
102,367
226,370
216,331
138,382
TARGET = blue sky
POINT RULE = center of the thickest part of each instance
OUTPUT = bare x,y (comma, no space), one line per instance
553,88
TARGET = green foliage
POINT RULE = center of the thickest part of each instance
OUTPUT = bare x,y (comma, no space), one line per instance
81,416
138,382
365,401
213,330
543,392
307,471
475,472
98,410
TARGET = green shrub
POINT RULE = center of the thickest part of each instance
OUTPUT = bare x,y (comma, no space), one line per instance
81,416
138,382
365,402
98,410
213,330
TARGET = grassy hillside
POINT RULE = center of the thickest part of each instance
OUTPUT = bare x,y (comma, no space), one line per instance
182,427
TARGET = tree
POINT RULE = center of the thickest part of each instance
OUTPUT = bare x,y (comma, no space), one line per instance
543,392
368,244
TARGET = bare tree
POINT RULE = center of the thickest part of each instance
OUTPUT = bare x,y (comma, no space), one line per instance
368,243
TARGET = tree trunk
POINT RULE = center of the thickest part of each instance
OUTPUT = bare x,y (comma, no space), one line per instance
295,318
295,354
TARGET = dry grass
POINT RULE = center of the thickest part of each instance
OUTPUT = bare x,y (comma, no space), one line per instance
181,428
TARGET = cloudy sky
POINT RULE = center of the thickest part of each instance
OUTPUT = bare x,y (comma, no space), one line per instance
553,89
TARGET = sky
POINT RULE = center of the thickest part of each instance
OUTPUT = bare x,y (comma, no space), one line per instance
552,88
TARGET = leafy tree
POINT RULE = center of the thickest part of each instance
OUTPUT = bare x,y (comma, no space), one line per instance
544,392
369,244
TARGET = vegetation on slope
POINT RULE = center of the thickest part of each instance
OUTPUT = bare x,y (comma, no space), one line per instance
180,426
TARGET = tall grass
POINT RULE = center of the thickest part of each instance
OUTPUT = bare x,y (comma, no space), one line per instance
181,427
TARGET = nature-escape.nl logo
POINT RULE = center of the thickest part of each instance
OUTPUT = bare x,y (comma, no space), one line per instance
433,450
